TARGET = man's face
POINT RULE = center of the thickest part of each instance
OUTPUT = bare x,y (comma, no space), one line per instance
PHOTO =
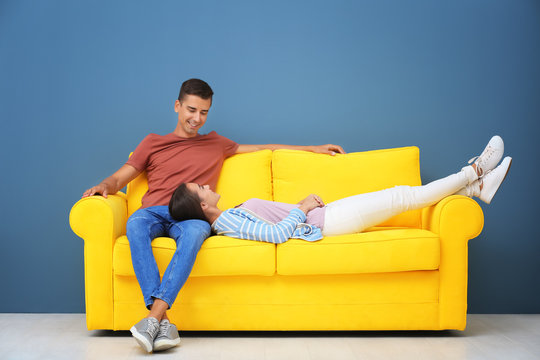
192,112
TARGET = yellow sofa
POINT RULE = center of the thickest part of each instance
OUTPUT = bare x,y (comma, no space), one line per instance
409,273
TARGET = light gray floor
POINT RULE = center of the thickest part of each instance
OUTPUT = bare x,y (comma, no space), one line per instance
64,336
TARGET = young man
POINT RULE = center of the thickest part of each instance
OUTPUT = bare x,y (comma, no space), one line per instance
181,156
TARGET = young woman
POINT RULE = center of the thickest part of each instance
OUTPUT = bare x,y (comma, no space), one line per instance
311,219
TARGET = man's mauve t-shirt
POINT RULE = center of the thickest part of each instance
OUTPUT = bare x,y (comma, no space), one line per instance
170,160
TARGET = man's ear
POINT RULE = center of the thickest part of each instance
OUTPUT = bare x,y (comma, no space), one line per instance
177,105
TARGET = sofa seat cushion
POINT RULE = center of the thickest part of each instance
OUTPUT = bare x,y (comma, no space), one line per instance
219,256
376,251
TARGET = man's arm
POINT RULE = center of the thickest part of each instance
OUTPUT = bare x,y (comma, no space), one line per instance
321,149
115,182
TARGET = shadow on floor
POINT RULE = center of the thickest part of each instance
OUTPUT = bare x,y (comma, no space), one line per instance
293,334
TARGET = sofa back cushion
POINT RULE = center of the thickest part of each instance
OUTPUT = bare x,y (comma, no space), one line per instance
243,176
297,174
135,191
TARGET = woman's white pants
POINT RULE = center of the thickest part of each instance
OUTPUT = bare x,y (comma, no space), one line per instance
359,212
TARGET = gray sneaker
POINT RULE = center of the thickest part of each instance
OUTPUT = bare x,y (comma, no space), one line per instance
167,336
145,331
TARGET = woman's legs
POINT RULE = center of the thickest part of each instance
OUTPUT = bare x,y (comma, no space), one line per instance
359,212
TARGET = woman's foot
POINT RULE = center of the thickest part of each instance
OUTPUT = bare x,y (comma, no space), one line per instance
486,187
489,158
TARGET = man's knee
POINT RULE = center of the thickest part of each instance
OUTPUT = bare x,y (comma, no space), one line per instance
136,224
138,217
143,224
198,227
191,232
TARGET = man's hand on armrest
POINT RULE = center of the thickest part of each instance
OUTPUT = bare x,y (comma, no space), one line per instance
329,149
101,189
113,183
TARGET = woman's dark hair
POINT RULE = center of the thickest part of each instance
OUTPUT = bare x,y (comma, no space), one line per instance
195,87
185,205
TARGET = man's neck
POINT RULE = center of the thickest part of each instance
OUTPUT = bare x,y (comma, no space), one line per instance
183,134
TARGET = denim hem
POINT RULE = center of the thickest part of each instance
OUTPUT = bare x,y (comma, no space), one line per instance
163,298
149,304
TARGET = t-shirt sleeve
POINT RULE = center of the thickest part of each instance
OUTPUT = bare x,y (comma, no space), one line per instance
229,146
141,155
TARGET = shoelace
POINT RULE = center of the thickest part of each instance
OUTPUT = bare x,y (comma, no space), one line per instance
482,159
163,329
152,328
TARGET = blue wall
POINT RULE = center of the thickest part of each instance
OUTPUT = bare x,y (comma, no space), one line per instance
81,83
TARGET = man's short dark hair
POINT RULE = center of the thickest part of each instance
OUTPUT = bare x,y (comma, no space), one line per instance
195,87
185,205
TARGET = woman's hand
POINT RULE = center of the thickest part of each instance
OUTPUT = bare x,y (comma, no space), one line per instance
309,203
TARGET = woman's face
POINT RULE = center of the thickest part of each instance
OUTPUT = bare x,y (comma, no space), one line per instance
205,194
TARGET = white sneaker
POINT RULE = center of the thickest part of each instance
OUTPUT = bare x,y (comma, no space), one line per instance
473,189
490,157
490,183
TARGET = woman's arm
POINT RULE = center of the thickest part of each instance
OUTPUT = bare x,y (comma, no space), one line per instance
311,202
242,225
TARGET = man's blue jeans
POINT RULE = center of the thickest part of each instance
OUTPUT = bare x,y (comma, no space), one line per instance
152,222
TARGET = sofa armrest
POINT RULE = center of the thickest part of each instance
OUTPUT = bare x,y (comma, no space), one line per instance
99,221
96,218
456,219
460,215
